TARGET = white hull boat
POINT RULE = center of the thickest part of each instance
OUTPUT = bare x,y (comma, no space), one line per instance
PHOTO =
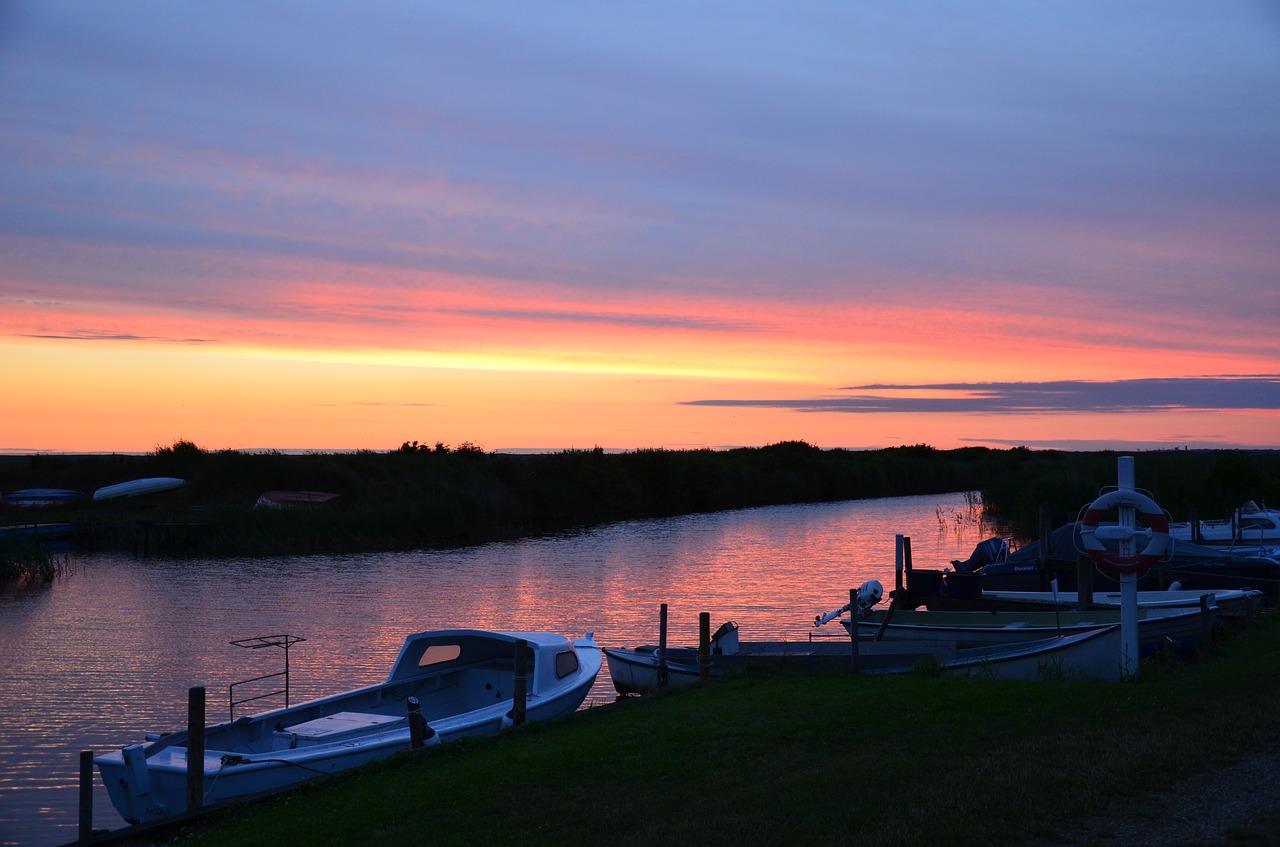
1250,525
1235,604
1179,627
1091,654
461,681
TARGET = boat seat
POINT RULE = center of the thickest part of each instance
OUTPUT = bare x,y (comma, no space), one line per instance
330,728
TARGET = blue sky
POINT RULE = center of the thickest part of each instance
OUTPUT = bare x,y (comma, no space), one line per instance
775,201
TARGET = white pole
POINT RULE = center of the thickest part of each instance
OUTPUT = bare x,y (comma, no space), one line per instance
1128,581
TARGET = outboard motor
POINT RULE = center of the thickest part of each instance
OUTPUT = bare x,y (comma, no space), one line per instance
986,553
869,593
725,640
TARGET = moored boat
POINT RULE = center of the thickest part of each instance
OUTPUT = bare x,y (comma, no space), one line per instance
1248,525
1232,604
294,499
1091,654
461,681
41,498
1180,627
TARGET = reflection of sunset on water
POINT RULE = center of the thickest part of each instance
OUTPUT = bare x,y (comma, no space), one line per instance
135,634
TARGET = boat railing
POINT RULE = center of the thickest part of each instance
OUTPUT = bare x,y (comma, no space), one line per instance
284,642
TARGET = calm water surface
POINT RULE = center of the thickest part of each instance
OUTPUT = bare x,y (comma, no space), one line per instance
109,650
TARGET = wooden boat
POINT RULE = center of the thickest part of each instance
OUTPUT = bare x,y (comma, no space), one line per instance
1177,627
293,499
460,680
1249,525
138,487
1091,654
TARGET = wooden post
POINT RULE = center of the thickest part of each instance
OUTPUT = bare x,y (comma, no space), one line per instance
195,747
1206,620
897,564
522,683
704,646
86,795
853,629
1084,582
1046,529
662,646
906,552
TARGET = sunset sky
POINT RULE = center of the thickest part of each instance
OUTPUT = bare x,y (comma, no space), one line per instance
538,226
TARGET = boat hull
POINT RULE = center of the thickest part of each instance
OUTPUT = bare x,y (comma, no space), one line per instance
466,695
1092,654
1158,628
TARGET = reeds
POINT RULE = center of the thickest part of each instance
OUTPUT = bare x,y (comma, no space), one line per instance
24,562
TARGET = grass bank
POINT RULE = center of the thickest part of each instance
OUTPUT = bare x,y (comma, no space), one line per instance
775,759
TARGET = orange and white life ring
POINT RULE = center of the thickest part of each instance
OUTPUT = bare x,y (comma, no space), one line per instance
1158,529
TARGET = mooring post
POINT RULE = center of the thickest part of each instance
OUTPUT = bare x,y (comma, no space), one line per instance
522,683
704,646
86,795
1084,582
1206,620
853,629
662,646
195,747
906,552
897,563
1046,529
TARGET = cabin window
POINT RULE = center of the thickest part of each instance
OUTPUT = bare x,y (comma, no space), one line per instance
566,663
438,653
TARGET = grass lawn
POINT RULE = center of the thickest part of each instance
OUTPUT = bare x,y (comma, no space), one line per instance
764,758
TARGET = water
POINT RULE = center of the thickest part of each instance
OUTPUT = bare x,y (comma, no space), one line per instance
109,650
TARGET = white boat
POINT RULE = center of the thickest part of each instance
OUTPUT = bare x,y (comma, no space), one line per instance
1249,525
1231,603
138,487
1178,627
1091,654
460,680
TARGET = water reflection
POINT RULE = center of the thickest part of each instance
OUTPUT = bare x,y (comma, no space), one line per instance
109,651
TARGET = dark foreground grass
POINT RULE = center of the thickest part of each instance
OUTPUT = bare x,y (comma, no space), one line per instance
775,759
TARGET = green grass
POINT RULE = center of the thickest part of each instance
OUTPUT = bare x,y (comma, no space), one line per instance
776,759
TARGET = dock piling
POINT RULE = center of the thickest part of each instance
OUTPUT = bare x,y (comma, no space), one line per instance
853,630
662,646
704,646
195,747
86,795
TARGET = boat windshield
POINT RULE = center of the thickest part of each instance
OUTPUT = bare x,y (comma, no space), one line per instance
438,653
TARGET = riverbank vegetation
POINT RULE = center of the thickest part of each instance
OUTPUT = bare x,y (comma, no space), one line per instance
23,561
767,758
420,496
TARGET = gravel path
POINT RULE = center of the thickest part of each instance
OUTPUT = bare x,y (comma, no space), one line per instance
1235,804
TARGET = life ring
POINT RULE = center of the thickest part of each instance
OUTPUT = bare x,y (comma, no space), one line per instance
1156,521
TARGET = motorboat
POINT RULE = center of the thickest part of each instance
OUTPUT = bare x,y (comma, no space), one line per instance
1250,525
449,683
